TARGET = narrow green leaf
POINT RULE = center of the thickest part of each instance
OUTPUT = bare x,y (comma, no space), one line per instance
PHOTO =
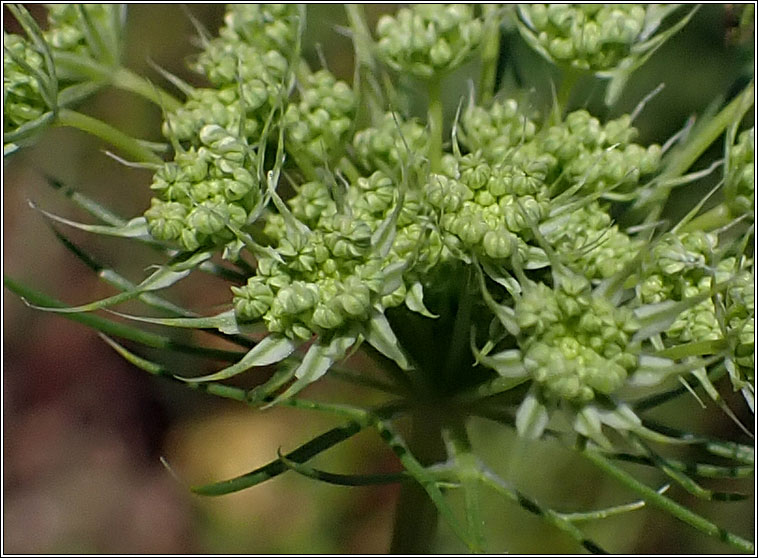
502,278
379,334
546,514
424,477
414,300
685,481
163,277
508,364
28,129
656,318
531,418
270,350
78,92
135,228
503,313
316,362
225,322
274,468
278,379
345,480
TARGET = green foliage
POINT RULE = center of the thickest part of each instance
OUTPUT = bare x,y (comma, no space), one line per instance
505,264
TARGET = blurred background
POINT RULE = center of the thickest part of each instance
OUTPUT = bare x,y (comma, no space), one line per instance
84,431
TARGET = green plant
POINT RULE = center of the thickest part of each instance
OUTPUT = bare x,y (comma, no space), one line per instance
513,262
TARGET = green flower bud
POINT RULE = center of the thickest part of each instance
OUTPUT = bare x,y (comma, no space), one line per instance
498,244
295,298
327,317
210,216
166,220
252,300
391,144
495,130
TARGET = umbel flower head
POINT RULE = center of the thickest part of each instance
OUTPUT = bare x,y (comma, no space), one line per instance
428,38
512,262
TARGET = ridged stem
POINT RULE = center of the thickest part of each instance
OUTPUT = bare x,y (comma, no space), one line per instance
416,516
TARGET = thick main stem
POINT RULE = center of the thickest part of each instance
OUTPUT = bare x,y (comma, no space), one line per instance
415,525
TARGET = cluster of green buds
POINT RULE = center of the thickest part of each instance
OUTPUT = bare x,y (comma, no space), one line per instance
589,242
320,280
428,39
249,73
205,193
739,188
70,24
391,144
249,84
739,320
681,267
590,37
599,157
316,128
265,26
497,129
336,232
575,344
48,70
23,93
488,210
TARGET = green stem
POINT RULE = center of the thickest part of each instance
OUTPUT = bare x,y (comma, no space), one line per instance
348,168
365,65
680,512
694,148
129,81
490,53
459,446
563,96
712,219
436,124
120,78
415,526
106,132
